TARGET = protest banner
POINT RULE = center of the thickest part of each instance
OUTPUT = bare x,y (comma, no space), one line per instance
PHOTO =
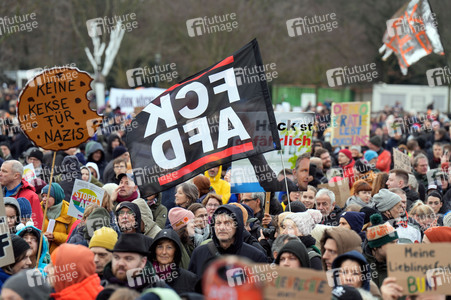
350,122
28,172
128,100
340,189
202,122
299,283
6,246
421,268
401,161
295,134
83,194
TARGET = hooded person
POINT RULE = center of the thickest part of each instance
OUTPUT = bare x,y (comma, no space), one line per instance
353,270
66,261
220,186
296,249
166,256
15,286
301,225
227,228
13,213
148,225
32,236
94,167
70,170
96,154
86,175
128,217
57,210
97,219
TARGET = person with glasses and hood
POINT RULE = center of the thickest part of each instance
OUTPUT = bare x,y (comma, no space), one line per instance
166,255
227,228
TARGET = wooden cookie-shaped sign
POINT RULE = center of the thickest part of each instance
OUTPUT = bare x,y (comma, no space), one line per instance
53,109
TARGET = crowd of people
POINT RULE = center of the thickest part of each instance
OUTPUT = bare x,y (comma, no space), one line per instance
159,246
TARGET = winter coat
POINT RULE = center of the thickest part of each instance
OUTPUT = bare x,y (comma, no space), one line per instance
3,277
312,251
383,160
221,186
63,225
150,227
202,255
88,289
28,192
333,218
159,214
379,269
411,197
182,281
298,249
108,174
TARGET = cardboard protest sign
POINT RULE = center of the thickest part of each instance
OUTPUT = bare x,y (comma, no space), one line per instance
340,189
295,134
53,109
350,123
128,100
421,268
28,172
401,161
83,194
204,121
6,246
299,283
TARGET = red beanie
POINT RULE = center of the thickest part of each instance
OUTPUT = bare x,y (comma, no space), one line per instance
440,234
347,153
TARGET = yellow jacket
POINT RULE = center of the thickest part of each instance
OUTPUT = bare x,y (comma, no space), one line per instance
221,186
62,227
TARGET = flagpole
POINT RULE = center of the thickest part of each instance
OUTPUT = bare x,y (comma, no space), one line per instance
286,182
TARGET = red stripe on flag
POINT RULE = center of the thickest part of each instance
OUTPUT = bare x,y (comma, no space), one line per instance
205,160
224,62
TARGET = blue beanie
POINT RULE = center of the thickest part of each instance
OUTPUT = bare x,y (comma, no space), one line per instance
370,154
56,192
25,207
355,220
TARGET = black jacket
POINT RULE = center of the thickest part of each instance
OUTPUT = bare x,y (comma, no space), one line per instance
202,255
411,196
333,218
70,168
181,280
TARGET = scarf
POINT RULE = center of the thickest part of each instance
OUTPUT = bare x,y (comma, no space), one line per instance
54,211
130,198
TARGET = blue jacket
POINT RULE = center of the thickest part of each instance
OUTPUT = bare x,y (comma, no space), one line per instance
3,278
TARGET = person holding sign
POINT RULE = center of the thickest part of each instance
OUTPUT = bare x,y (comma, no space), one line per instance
22,260
57,215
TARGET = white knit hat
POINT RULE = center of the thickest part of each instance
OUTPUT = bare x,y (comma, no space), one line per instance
306,221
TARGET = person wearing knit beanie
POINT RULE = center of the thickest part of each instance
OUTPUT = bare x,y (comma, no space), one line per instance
370,155
380,233
102,244
294,249
389,204
347,153
296,206
25,208
440,234
352,220
118,151
16,286
280,219
356,151
303,222
56,191
376,141
362,166
180,217
36,154
38,184
21,260
67,260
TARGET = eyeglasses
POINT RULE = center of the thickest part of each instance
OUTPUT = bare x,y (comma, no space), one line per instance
213,205
248,200
129,213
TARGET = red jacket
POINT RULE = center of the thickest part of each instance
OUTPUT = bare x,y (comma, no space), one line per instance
348,172
88,289
28,191
384,161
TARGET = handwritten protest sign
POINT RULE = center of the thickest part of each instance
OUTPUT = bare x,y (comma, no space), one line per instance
295,134
29,173
53,109
401,161
340,189
421,268
350,123
299,283
83,194
6,246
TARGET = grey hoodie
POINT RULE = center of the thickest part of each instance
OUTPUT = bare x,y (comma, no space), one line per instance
151,228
